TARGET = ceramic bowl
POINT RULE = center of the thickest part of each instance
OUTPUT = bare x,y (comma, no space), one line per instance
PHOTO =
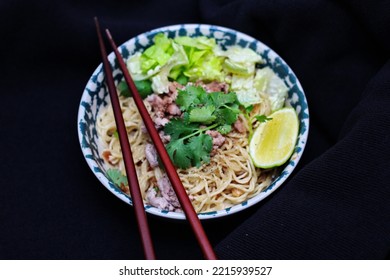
95,97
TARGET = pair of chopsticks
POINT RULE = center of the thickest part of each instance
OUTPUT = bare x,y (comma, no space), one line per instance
135,192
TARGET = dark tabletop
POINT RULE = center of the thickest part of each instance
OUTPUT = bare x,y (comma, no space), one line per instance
335,206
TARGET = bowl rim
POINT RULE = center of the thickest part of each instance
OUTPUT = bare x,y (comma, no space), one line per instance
288,167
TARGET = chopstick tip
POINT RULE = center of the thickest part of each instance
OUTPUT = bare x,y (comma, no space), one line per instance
97,25
108,34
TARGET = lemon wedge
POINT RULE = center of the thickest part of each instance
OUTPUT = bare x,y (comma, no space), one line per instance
273,141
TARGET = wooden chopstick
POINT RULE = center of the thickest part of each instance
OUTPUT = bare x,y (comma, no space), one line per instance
127,155
177,185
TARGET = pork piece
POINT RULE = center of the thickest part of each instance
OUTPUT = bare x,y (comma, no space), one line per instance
157,102
160,122
216,87
173,110
164,108
155,200
164,138
151,155
166,198
218,139
173,87
239,126
167,191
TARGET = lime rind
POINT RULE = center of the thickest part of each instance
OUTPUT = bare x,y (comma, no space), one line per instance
259,140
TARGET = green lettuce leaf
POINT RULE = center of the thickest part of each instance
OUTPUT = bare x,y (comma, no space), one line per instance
203,63
160,81
207,68
134,66
144,65
157,54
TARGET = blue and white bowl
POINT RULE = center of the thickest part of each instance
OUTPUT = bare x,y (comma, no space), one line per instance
96,97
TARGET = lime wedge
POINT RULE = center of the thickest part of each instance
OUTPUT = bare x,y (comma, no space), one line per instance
273,141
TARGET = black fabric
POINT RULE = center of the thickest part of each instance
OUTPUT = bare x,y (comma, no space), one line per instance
335,206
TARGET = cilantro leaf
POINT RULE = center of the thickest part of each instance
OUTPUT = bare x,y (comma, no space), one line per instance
227,115
203,96
202,111
186,117
191,96
200,146
249,108
117,177
224,129
185,100
262,118
179,153
219,98
195,90
177,128
234,108
203,114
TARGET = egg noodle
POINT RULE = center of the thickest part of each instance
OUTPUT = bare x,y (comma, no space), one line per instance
229,179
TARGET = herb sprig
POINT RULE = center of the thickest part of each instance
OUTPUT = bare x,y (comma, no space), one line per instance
203,111
259,118
117,177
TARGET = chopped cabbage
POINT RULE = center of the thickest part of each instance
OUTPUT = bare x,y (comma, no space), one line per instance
275,89
200,58
277,92
201,43
244,88
167,58
241,61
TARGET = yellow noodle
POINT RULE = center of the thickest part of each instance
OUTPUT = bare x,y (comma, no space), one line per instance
229,179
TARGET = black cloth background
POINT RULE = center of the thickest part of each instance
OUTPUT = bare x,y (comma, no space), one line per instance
335,206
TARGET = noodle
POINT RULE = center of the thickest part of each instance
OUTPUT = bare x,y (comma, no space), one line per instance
229,179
